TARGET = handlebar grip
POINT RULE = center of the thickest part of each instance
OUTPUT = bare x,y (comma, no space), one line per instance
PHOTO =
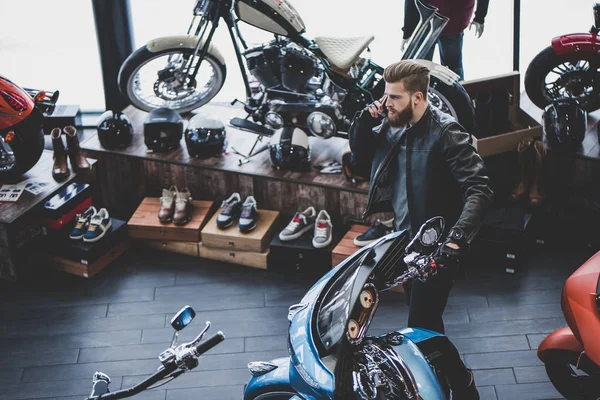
210,343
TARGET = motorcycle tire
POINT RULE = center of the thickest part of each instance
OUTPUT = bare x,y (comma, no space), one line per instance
547,61
27,147
569,384
457,102
143,56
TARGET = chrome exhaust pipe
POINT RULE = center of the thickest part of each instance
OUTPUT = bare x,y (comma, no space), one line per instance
427,32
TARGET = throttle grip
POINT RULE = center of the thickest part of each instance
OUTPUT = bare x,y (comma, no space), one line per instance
210,343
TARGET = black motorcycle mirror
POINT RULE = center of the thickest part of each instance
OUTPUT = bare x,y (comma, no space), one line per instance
180,321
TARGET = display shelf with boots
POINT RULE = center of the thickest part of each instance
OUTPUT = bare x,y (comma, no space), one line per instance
537,191
524,153
60,169
78,161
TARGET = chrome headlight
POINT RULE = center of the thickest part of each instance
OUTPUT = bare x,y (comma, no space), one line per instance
321,124
274,120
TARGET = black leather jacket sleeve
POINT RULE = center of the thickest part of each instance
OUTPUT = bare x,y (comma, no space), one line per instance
361,136
469,171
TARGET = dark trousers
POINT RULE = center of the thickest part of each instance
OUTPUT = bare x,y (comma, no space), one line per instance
450,52
427,301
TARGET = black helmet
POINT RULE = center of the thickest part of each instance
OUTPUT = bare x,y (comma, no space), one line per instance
564,123
163,129
114,130
205,136
289,149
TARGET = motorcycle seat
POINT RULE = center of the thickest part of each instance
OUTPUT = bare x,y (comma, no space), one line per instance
342,52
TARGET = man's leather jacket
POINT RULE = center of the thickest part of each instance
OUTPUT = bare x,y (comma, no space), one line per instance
444,174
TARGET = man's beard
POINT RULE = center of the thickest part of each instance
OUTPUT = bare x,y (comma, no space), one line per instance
401,118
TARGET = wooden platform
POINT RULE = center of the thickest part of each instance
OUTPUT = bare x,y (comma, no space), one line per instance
89,270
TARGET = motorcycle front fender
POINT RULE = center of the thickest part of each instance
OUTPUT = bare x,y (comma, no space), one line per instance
180,41
444,74
557,344
576,42
276,381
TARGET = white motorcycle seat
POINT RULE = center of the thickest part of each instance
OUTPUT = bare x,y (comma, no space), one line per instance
342,52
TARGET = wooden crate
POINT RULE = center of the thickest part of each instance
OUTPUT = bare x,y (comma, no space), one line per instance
187,248
247,258
232,239
89,270
144,223
346,248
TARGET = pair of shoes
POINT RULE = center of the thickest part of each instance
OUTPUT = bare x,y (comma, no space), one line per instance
378,229
175,206
233,208
530,158
329,167
60,169
305,221
91,225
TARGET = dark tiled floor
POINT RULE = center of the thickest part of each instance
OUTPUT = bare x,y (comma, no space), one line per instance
57,332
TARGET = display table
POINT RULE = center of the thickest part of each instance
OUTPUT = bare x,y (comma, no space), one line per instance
20,228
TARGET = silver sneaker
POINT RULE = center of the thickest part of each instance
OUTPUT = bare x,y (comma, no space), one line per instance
302,222
323,228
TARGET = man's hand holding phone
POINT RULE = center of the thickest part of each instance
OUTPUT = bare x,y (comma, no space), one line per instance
377,109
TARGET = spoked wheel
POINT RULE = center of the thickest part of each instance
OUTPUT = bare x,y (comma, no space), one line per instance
573,383
573,75
151,80
452,100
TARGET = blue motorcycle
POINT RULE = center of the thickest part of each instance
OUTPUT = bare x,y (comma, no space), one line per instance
331,355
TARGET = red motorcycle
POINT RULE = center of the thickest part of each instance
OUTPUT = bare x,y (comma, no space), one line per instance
572,354
570,67
21,135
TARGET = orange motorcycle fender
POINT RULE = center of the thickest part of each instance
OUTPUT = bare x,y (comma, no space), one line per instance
561,340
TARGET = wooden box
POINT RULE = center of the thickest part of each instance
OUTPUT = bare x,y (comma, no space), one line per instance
89,270
187,248
144,223
346,247
232,239
246,258
519,125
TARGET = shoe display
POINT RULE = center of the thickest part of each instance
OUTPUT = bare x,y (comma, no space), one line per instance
302,222
183,207
60,169
230,210
83,223
100,223
248,216
377,230
167,205
323,228
78,161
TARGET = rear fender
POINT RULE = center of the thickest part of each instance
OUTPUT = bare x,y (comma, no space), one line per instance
576,42
558,344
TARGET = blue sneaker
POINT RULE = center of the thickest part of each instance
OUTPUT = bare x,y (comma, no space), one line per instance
230,210
377,230
99,225
82,224
248,217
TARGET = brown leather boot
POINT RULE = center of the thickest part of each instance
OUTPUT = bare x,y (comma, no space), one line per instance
78,161
60,169
524,165
536,193
167,205
183,207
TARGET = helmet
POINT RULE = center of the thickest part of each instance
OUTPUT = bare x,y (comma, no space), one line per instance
289,149
564,123
205,136
114,130
163,129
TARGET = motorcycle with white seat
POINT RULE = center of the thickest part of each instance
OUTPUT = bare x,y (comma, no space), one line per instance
315,84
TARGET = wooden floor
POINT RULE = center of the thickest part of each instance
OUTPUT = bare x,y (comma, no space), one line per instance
56,333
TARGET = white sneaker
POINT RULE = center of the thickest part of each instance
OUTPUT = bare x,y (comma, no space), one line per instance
302,222
323,228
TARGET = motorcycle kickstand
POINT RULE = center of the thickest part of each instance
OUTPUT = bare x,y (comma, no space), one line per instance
246,157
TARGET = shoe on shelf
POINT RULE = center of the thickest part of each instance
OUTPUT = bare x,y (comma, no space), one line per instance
99,225
183,207
302,222
167,205
323,228
83,222
248,216
230,210
378,229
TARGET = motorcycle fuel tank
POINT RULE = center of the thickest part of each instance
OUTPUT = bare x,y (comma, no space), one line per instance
276,16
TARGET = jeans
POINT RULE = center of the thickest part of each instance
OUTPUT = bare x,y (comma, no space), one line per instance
450,52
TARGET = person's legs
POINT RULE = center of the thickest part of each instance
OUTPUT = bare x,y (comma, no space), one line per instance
451,52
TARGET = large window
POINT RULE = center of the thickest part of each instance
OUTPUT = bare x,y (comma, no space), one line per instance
52,45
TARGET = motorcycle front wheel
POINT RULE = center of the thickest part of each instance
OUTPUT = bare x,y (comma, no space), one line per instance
574,75
151,80
453,100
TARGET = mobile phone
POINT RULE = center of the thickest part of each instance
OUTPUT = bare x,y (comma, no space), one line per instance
383,113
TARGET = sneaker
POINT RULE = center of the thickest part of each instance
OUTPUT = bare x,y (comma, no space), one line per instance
248,217
83,222
99,225
378,229
302,222
323,229
230,209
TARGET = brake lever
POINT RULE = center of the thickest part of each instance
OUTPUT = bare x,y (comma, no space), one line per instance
200,335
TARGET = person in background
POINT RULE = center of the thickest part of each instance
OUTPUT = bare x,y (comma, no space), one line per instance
450,42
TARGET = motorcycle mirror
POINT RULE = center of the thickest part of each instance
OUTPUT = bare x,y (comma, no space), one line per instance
183,318
430,232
